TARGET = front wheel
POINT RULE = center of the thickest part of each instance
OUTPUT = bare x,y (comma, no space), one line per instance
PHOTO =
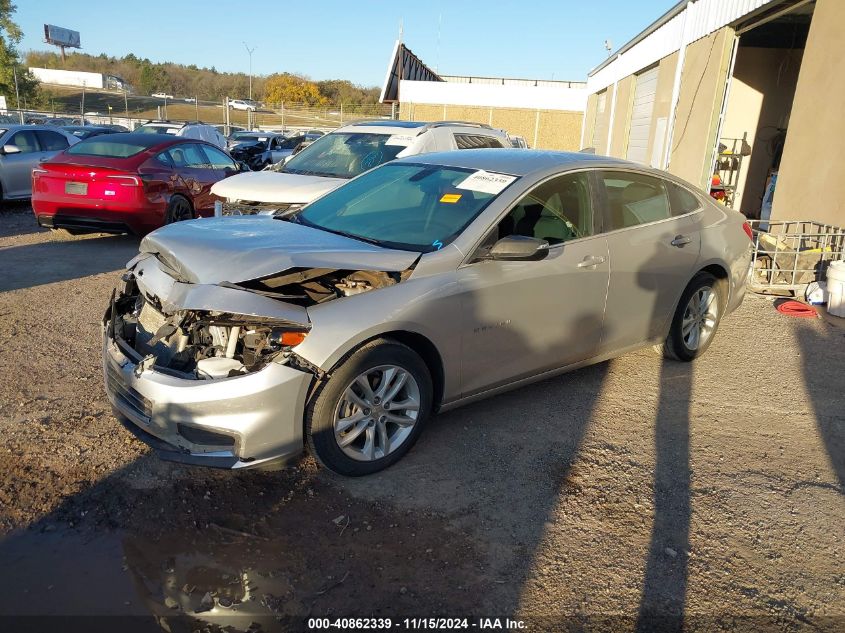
696,319
371,410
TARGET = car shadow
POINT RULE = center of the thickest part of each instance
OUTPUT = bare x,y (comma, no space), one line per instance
823,357
31,265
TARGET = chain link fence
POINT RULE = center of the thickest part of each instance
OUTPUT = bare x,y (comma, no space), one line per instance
118,108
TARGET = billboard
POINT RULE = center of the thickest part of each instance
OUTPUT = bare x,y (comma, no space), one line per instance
61,37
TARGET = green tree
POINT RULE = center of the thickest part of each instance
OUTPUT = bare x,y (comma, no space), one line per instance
10,36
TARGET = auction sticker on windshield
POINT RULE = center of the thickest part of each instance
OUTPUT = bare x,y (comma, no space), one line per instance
399,139
485,182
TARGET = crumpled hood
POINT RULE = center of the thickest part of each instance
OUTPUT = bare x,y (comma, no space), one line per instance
271,186
211,251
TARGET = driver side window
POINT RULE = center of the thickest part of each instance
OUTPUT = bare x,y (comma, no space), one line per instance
557,211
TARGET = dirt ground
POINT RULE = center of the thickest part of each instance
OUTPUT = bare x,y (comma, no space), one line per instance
634,494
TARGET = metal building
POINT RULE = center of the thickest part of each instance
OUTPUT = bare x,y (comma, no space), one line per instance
748,90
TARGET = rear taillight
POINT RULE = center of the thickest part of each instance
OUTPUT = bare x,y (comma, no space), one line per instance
37,171
126,181
747,228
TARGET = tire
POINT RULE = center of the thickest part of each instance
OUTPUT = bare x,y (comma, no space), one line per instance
178,209
696,319
343,411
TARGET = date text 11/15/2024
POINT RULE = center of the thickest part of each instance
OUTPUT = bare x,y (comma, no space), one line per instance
416,624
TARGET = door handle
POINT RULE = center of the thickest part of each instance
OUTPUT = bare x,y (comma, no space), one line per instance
681,240
591,261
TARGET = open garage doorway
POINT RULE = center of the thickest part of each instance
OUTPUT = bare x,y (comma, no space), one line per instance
766,65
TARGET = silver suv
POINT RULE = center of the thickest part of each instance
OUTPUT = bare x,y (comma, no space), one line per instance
343,154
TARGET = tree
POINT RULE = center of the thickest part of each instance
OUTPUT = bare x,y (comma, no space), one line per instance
10,36
286,87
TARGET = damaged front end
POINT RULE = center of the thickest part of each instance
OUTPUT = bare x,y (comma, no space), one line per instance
217,387
206,370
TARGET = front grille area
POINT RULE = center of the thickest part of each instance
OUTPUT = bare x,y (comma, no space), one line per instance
126,395
206,438
244,207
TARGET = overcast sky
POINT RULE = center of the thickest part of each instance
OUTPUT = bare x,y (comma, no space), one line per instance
329,39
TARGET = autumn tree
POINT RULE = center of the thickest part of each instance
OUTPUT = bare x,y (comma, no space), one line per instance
10,36
286,87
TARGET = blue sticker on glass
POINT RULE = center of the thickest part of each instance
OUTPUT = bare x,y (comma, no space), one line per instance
437,244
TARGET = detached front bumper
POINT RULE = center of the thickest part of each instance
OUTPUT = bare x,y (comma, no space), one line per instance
238,422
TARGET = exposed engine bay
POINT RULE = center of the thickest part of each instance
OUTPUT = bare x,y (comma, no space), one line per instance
208,344
310,286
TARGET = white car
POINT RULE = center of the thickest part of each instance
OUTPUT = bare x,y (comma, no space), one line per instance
243,104
337,157
161,95
201,131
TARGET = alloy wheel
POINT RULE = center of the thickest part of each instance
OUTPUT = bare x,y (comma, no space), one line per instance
700,318
377,412
180,210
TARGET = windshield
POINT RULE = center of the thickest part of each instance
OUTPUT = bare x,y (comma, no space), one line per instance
407,206
243,138
343,155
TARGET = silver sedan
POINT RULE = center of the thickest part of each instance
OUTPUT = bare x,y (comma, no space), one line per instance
419,286
22,147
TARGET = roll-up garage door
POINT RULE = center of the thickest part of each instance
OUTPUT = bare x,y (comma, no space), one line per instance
641,116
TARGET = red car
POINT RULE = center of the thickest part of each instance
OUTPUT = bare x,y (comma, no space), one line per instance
128,183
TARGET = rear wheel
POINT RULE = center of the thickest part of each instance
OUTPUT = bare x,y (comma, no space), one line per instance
696,319
178,209
371,410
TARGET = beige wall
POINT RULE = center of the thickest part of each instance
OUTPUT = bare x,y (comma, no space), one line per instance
554,129
589,121
598,135
811,183
662,103
762,92
699,105
621,117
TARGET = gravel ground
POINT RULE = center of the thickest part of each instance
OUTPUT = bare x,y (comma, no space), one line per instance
632,494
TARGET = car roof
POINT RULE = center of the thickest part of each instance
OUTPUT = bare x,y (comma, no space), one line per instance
516,162
14,127
390,123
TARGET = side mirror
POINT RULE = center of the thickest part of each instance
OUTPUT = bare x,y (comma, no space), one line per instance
519,248
11,149
242,166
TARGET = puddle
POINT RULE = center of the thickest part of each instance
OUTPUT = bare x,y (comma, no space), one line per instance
320,554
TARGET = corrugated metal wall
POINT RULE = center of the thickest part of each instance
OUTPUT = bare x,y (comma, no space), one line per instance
704,16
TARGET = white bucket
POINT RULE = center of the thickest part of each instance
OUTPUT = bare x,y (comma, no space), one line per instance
836,289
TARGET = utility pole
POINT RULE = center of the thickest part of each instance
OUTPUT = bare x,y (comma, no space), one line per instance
250,51
126,105
17,94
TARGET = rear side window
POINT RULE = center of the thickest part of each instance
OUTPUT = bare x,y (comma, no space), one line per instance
476,141
188,155
680,200
51,141
634,199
